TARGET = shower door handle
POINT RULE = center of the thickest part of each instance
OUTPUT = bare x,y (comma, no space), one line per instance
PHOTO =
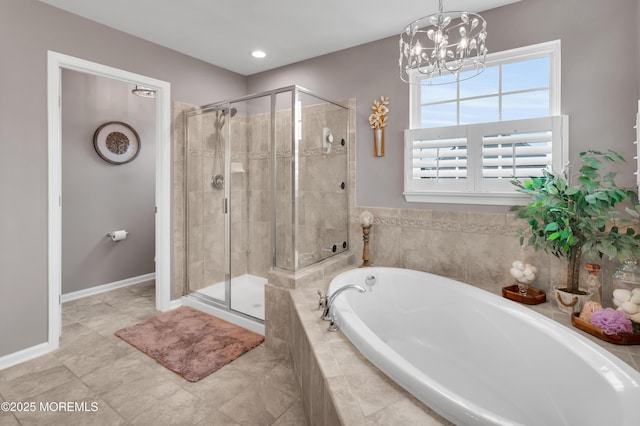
225,206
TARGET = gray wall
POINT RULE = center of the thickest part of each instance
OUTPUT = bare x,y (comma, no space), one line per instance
28,29
600,98
100,197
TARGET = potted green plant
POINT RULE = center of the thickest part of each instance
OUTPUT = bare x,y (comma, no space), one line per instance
570,221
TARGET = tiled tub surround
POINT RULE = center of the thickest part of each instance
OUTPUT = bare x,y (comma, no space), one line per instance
339,386
475,248
278,319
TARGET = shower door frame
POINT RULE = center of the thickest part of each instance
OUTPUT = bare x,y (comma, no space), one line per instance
295,139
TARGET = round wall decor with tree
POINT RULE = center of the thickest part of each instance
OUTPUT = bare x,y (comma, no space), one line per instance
116,142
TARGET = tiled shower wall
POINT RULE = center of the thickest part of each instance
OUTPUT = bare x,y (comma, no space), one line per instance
322,202
322,198
249,200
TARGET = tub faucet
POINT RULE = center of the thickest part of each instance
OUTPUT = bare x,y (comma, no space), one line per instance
327,303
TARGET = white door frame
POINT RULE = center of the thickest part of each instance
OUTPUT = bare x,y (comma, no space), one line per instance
56,62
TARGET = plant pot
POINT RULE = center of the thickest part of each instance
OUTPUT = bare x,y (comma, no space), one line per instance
570,302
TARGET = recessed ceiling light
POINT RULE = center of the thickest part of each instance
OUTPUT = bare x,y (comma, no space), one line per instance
258,54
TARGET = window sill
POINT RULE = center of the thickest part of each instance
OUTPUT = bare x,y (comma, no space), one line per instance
485,198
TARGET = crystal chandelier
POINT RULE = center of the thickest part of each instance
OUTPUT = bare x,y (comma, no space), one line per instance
434,46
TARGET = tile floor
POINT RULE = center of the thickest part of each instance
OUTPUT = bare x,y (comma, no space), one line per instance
93,365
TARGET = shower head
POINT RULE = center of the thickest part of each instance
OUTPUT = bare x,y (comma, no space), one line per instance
232,111
221,113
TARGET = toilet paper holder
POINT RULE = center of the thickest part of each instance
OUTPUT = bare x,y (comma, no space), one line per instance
113,235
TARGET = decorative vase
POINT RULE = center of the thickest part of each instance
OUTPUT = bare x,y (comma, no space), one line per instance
593,282
378,145
571,302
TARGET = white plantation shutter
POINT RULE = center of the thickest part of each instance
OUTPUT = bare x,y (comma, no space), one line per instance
439,158
521,149
478,161
506,156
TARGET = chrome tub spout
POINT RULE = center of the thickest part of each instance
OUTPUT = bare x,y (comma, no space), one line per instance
329,299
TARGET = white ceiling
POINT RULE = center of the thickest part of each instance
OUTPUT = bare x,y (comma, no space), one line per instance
224,33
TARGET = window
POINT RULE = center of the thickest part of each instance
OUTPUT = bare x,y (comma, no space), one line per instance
469,138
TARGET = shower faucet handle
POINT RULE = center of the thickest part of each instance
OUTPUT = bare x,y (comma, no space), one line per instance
322,300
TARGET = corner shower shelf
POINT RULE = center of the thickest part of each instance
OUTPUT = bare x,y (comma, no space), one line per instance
616,339
237,168
533,296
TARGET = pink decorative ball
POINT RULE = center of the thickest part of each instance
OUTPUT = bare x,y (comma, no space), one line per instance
589,308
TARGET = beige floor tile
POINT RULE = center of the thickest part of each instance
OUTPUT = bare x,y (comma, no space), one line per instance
258,361
82,314
116,296
294,416
221,386
73,332
8,419
181,408
78,345
283,378
132,304
31,384
84,301
156,368
35,365
109,324
121,371
146,289
259,405
130,387
87,408
93,358
133,398
218,419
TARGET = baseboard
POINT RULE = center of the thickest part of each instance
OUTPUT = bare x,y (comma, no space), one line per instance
173,304
24,355
106,287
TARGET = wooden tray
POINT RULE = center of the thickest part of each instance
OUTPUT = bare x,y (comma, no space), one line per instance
616,339
533,296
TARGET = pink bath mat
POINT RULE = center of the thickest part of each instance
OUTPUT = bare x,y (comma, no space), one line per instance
189,342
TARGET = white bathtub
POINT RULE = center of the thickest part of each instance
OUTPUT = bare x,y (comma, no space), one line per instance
479,359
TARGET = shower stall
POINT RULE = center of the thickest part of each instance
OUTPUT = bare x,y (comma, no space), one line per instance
266,187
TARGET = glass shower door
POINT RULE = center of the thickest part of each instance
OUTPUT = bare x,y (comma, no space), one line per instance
207,262
250,203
